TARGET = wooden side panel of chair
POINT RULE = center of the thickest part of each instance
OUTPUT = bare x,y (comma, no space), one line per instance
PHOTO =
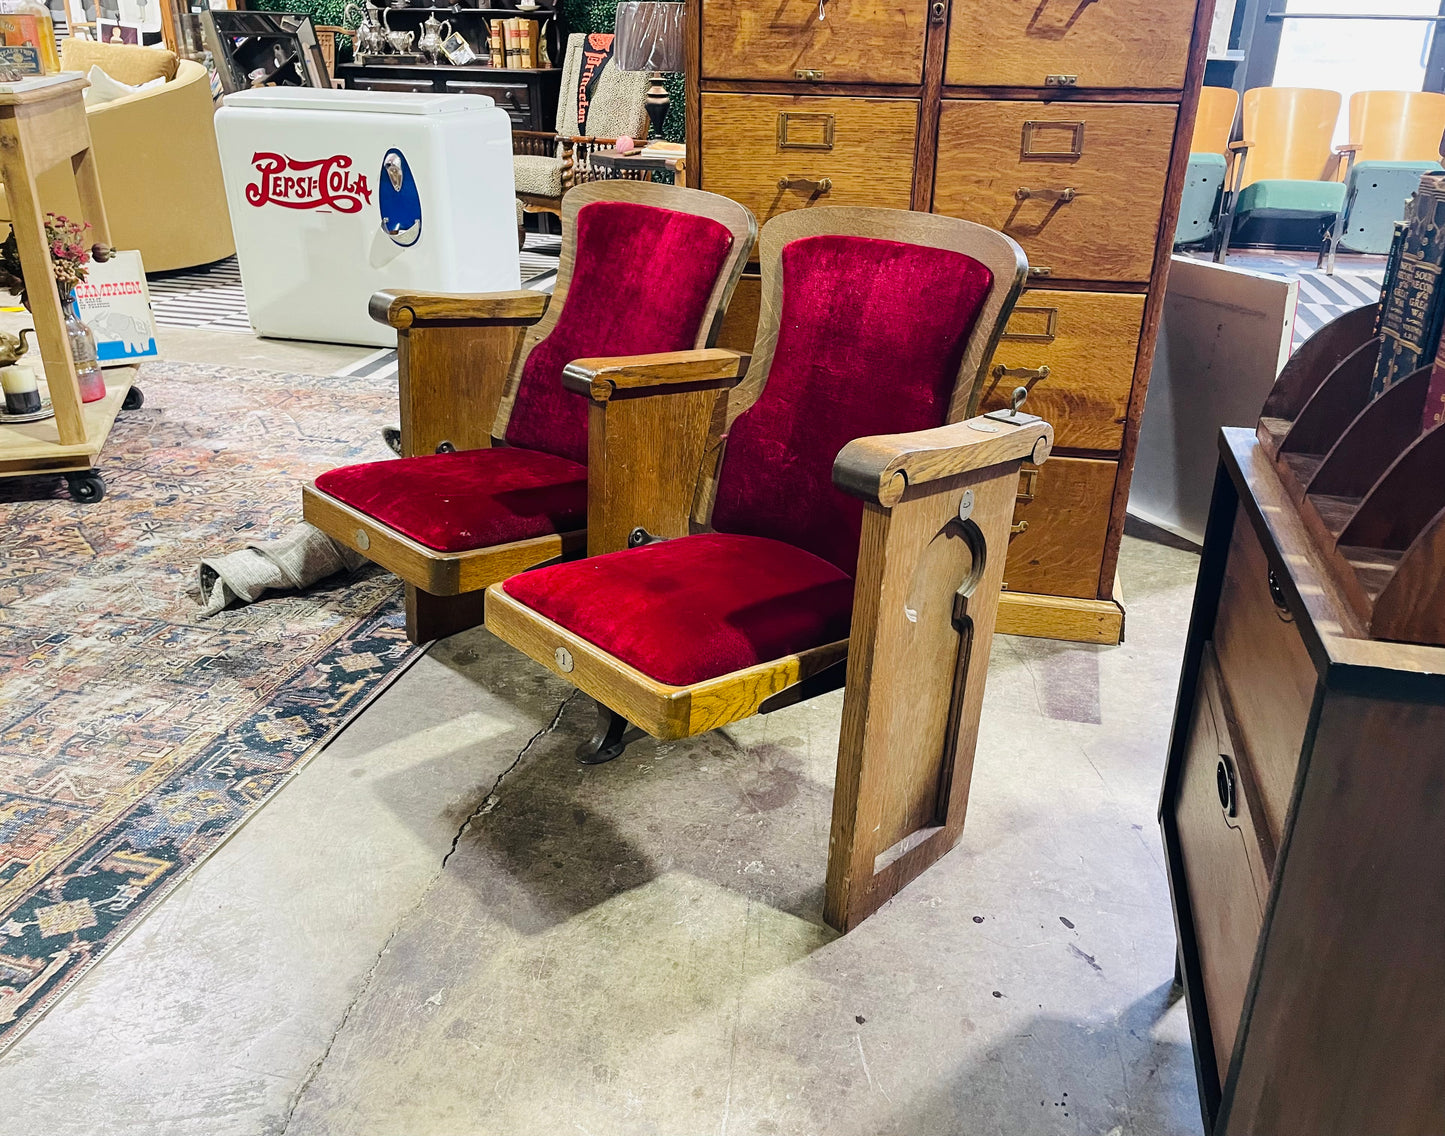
1397,126
914,689
739,221
1000,253
1289,130
1215,121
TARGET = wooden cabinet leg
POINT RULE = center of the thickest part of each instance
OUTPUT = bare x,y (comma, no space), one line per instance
431,617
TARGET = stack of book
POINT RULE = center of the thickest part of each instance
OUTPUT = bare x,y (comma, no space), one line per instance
515,43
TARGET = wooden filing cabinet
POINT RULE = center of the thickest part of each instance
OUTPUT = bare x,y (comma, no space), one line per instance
1064,125
1302,812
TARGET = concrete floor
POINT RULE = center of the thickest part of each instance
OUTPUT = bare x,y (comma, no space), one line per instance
445,926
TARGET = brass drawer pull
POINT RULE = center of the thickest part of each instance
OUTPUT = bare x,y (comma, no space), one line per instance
1018,527
1061,80
1037,271
820,185
1033,129
789,120
807,74
1062,196
1032,374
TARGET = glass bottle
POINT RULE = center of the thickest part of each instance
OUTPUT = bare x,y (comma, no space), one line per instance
27,23
84,352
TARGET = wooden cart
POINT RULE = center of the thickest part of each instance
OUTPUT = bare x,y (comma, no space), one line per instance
42,124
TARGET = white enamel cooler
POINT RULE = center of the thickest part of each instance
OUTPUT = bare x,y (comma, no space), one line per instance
337,194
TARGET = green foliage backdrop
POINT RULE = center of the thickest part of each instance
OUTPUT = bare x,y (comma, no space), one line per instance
577,16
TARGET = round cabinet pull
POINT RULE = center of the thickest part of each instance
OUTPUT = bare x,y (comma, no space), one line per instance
1276,594
1225,783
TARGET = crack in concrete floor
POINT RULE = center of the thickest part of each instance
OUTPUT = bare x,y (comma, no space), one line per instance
365,985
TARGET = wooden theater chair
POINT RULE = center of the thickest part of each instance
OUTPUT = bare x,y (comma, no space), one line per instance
494,479
837,527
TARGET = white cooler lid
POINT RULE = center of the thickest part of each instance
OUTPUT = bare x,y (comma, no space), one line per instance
368,102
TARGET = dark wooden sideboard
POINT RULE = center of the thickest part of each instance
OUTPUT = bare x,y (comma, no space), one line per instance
528,95
1064,125
1303,814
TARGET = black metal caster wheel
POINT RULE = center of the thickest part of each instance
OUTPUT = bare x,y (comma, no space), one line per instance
134,399
87,487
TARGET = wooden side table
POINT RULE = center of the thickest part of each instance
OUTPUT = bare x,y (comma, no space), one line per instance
42,124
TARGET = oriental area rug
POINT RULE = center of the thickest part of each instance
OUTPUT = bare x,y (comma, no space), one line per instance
134,736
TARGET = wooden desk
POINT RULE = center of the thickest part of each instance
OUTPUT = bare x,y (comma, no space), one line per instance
43,125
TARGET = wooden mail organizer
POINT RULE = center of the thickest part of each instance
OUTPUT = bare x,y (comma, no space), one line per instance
1304,798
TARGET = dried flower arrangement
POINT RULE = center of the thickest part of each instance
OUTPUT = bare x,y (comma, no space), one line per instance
68,253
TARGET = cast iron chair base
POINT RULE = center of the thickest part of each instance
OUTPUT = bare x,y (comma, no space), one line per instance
607,740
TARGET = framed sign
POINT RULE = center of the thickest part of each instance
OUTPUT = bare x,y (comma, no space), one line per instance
116,305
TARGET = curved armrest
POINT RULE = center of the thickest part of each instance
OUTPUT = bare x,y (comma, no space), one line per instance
708,368
881,468
403,309
1236,147
1349,148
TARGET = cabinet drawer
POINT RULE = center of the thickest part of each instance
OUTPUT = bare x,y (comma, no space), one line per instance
1223,861
515,100
859,41
1060,522
1025,43
1088,342
1267,672
364,83
1080,185
827,151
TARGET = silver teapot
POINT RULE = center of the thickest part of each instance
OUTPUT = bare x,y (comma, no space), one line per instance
434,33
368,37
399,39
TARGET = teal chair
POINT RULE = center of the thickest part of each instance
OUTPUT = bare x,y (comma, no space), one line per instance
1204,180
1282,166
1375,199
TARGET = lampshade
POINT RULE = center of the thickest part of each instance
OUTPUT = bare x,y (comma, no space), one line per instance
649,36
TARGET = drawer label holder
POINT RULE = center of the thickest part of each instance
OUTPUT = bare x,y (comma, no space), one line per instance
816,130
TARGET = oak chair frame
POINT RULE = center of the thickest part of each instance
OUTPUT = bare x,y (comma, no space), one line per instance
921,610
459,365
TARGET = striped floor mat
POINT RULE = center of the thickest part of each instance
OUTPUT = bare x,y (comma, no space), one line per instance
1323,298
211,298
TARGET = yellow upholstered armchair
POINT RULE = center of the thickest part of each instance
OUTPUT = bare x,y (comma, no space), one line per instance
160,172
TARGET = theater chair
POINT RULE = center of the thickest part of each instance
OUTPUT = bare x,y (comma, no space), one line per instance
839,528
493,479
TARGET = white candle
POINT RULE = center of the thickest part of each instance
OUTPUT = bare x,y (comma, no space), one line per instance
22,393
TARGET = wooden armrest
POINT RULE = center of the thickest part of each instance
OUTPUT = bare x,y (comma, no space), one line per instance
709,368
1237,147
882,467
402,309
1349,148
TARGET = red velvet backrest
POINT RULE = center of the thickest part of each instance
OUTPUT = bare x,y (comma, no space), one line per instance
870,340
641,278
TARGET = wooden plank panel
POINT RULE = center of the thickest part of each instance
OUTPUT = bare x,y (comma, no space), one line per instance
1020,43
1113,157
1088,341
859,41
869,162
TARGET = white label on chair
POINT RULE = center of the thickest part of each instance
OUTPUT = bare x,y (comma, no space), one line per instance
363,541
564,658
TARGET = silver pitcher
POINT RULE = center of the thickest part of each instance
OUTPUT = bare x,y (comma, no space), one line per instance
434,33
368,37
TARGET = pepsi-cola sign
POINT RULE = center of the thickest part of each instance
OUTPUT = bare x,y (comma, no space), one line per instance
324,183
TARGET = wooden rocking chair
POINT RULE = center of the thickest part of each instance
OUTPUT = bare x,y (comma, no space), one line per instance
492,480
778,583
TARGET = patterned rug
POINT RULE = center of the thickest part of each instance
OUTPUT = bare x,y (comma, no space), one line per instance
134,738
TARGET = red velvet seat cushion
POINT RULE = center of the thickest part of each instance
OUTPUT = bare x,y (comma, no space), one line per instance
870,341
697,607
472,499
641,278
